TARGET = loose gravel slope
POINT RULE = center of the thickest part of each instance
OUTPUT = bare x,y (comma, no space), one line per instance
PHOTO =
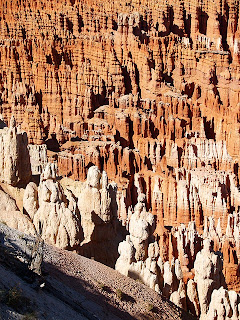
74,286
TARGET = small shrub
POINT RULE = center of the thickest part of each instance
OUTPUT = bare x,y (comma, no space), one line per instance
16,300
119,294
150,307
101,286
30,316
21,236
3,295
139,281
14,297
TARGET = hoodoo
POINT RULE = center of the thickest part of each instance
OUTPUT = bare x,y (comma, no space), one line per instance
120,139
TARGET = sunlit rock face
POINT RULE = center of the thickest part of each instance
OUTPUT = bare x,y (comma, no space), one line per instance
53,213
148,88
142,93
14,160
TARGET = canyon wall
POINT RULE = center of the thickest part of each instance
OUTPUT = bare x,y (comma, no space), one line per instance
147,91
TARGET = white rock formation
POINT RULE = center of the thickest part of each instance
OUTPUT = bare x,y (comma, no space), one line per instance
208,270
192,297
140,227
30,199
138,259
223,307
14,160
12,217
95,205
38,158
127,253
50,211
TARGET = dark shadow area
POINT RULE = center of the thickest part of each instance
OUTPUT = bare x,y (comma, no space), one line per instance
80,23
136,31
187,24
153,129
69,25
148,163
189,89
105,238
105,288
134,275
24,35
117,137
52,144
225,189
128,298
2,124
202,18
184,124
49,59
38,97
56,57
223,20
137,79
236,169
127,80
180,151
131,133
209,128
134,193
76,139
167,78
114,25
178,31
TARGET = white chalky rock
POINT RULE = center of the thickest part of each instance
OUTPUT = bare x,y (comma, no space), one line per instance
140,227
12,217
95,205
235,304
220,307
14,160
207,274
50,211
30,199
126,251
193,297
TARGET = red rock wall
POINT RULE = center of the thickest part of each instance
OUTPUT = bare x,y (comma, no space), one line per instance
148,91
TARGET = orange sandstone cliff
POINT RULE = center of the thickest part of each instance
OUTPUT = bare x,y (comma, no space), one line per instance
149,92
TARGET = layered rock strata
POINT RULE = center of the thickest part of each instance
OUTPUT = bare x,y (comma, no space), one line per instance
149,93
